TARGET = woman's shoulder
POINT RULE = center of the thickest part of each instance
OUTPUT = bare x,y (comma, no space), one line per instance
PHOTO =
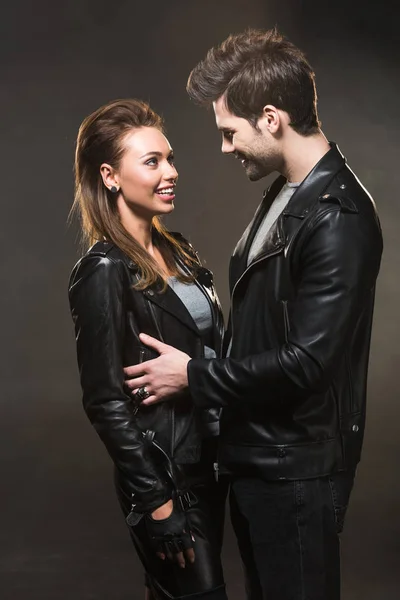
104,259
106,250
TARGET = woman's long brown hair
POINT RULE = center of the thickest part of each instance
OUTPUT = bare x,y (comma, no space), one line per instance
100,140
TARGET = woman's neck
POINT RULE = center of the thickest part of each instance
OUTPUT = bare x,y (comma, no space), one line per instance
139,227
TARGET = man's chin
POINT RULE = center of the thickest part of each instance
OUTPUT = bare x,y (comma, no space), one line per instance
254,174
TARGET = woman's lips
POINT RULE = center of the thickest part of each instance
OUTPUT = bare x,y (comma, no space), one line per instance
166,194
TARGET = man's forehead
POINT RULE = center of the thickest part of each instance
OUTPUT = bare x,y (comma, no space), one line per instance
222,113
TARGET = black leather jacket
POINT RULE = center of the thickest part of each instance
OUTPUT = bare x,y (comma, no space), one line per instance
294,386
109,315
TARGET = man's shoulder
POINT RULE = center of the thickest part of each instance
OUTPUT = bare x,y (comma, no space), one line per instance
347,192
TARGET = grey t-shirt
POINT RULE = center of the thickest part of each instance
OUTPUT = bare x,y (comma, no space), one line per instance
275,210
198,307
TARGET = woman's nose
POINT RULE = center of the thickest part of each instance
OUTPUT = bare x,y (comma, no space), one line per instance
171,172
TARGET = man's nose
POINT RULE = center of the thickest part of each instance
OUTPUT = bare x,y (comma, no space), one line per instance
227,147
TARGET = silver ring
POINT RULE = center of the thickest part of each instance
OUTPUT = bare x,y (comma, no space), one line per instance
142,393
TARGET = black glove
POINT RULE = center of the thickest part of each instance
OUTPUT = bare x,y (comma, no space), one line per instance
169,537
172,536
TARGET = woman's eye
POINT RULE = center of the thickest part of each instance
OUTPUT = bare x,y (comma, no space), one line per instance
152,162
171,159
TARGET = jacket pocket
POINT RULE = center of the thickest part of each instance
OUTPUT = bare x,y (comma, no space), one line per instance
341,485
137,355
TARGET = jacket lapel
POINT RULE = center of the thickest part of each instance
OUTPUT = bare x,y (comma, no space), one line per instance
307,194
173,305
238,263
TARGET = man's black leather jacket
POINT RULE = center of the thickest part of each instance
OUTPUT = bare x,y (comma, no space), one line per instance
294,386
109,315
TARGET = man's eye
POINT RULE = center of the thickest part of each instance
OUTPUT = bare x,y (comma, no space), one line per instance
228,135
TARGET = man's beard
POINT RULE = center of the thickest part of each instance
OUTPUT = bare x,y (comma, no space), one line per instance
256,167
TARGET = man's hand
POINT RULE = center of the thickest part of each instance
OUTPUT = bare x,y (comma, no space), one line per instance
162,377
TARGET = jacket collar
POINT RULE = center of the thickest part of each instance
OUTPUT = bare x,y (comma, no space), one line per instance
167,300
306,195
316,182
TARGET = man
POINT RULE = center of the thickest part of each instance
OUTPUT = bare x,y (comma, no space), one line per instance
302,279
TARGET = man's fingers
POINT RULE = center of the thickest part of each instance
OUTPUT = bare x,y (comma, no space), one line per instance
156,345
152,400
137,370
135,384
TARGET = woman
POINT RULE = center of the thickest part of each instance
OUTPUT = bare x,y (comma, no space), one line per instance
138,277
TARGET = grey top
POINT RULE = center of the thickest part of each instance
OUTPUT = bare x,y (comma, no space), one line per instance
198,307
275,210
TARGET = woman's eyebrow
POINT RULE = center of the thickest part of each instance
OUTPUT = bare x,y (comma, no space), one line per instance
157,153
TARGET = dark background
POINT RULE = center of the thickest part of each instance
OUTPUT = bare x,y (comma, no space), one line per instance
61,534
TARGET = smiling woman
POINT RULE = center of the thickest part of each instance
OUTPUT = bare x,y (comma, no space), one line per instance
123,169
139,277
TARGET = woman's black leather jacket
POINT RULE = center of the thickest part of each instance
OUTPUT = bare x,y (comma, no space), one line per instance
109,314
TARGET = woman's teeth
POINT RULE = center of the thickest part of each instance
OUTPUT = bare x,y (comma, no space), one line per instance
166,191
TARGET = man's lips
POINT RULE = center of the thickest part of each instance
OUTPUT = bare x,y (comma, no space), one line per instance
242,159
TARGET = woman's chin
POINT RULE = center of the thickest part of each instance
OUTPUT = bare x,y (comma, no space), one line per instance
167,208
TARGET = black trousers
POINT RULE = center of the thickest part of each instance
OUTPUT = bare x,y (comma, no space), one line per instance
288,535
204,578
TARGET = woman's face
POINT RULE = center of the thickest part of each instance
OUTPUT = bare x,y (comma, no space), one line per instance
147,176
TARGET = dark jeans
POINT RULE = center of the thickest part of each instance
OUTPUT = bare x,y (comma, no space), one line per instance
288,535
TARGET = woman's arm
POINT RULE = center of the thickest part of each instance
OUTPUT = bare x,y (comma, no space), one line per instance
97,303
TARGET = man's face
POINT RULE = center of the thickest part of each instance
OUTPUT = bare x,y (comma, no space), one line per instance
257,150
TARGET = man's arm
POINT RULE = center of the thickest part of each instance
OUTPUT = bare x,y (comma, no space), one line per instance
338,269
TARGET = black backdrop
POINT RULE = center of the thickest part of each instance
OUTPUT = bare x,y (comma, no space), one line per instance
61,533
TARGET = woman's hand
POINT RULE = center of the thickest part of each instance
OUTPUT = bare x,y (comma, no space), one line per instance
168,528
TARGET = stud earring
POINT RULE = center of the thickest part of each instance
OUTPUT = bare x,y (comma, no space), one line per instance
113,189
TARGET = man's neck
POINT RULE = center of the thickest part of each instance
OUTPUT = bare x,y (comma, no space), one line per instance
301,154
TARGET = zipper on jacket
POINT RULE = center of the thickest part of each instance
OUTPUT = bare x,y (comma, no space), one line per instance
277,251
155,321
350,380
141,359
286,319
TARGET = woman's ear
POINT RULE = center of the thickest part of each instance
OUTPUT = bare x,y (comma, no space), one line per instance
110,177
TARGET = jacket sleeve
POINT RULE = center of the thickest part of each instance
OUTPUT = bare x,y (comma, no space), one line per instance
96,296
338,266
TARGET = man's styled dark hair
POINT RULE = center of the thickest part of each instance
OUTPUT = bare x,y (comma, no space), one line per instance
256,68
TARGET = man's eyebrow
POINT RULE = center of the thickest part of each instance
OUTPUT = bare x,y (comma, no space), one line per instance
156,153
